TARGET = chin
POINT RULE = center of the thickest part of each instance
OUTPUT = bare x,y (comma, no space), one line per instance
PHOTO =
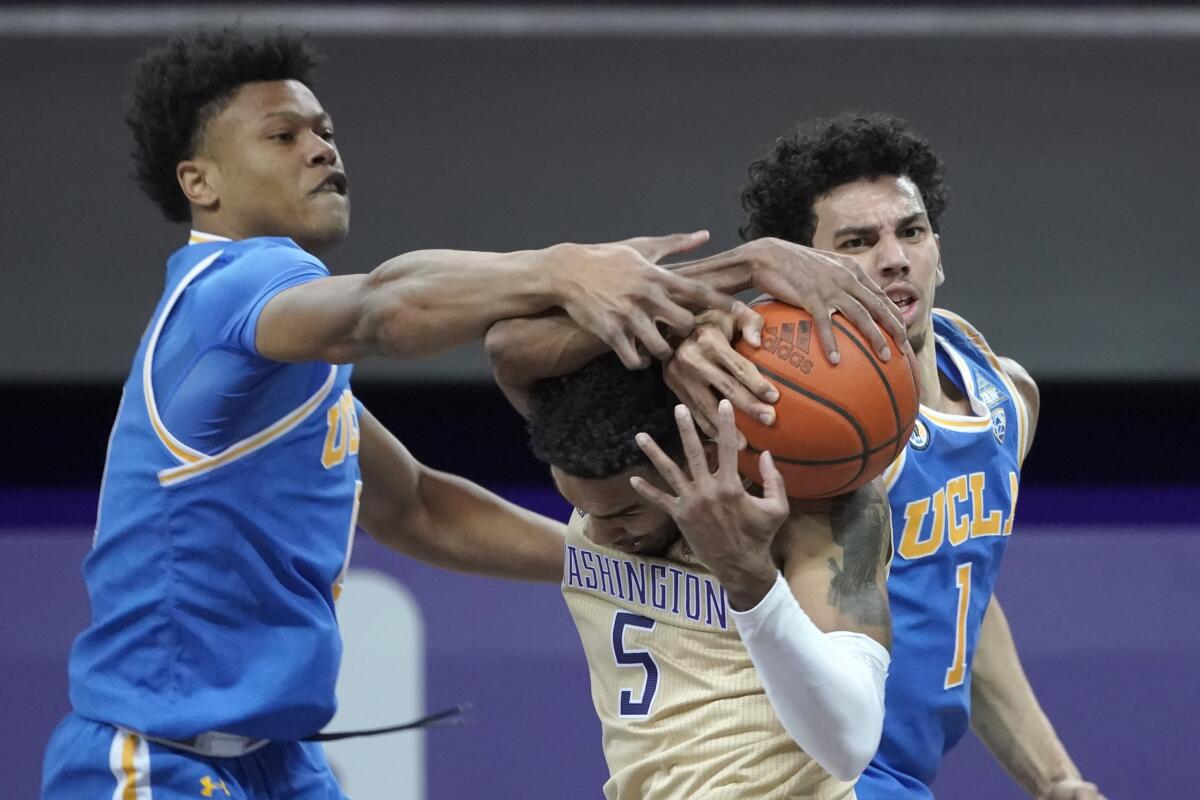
325,236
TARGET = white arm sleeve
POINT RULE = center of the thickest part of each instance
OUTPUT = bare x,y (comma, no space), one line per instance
826,688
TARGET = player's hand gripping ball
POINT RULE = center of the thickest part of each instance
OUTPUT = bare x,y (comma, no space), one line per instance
837,426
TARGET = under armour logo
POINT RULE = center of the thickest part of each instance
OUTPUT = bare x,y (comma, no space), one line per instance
207,787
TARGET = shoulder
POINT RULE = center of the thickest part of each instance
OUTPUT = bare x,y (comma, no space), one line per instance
860,516
270,252
1028,390
250,267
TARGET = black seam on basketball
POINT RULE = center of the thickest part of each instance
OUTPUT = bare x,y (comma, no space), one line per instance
862,435
883,378
826,462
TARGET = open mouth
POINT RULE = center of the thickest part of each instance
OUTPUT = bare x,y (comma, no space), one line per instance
905,300
336,183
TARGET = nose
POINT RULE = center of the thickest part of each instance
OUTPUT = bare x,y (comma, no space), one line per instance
891,259
323,152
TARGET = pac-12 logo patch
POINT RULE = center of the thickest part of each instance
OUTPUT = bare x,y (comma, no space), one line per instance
999,424
987,392
919,439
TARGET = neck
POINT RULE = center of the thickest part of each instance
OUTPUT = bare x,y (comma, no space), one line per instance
216,225
931,384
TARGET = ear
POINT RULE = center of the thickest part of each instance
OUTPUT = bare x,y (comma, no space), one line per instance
941,273
195,178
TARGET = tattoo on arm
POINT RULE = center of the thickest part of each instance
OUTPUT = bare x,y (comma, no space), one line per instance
861,529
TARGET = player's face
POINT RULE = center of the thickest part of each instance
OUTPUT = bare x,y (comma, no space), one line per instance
274,168
618,517
883,226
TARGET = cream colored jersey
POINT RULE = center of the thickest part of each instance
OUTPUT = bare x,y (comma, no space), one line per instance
682,709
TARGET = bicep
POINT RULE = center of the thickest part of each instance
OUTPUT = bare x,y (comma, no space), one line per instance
390,476
321,320
835,555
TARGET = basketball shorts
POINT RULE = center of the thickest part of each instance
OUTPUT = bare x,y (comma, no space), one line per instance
88,760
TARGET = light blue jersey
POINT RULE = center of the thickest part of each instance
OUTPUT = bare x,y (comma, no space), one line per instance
226,517
953,492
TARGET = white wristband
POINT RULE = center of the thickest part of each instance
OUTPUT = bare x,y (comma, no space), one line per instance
826,689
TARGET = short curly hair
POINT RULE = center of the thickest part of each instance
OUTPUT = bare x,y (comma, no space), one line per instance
584,423
816,157
180,86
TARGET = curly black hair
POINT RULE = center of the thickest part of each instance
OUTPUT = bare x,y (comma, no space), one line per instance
584,423
814,158
180,86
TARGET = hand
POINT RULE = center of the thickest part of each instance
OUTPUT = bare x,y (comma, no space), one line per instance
1072,789
729,529
706,362
617,292
817,281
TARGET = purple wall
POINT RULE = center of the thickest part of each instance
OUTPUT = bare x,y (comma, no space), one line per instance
1099,605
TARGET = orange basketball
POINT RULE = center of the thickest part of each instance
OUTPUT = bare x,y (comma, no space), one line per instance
837,426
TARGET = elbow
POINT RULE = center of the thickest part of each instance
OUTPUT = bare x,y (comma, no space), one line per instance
848,751
498,343
848,761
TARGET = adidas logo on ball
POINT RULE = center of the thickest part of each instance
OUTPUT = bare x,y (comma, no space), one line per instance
789,342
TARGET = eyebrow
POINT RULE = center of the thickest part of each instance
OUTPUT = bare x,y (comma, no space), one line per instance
863,230
324,115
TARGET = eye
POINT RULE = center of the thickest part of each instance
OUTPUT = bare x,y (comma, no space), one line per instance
853,244
326,134
912,232
283,136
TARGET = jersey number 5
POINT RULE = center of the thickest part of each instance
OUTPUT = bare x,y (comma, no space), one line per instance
634,658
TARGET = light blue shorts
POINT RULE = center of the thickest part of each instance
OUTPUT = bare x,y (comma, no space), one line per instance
86,760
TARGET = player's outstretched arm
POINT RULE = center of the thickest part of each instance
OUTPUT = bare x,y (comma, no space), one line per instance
823,675
448,521
527,350
427,301
1006,715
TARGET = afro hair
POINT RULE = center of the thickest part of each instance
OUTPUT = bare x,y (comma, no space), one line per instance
584,423
812,159
180,86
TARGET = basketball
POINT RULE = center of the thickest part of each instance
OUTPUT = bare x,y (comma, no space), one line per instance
837,426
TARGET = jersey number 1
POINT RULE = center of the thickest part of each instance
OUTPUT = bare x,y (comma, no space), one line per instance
958,666
634,658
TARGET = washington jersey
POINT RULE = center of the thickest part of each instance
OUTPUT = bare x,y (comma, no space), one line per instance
953,492
226,515
683,712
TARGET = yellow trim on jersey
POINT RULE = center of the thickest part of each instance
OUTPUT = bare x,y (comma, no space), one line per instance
892,473
200,237
245,447
957,421
1018,399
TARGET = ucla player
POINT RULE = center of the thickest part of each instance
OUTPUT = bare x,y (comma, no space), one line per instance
240,463
869,188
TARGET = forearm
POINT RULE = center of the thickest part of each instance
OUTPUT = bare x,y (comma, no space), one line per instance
525,350
1006,715
826,689
458,525
423,302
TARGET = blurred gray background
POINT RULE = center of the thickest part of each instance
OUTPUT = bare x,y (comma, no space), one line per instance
1070,138
1070,135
